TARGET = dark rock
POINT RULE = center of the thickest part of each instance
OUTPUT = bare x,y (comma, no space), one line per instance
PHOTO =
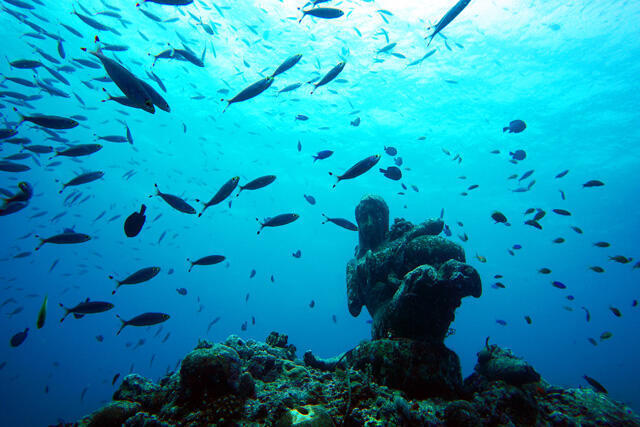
328,364
112,414
276,339
420,369
461,413
247,386
136,388
495,363
212,371
265,367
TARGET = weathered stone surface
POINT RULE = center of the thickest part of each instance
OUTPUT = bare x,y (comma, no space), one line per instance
112,414
212,371
420,369
372,215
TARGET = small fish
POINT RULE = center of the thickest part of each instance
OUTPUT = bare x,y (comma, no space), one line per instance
134,222
207,260
321,155
278,220
341,222
558,240
322,12
501,322
499,217
310,199
224,192
175,202
481,258
616,312
602,244
18,338
597,269
252,274
528,319
140,276
605,335
515,126
42,314
559,285
593,183
563,173
297,254
181,291
144,319
392,172
115,378
576,229
562,212
592,341
64,238
621,259
595,384
533,223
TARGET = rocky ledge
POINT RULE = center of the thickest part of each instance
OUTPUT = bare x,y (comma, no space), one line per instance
252,383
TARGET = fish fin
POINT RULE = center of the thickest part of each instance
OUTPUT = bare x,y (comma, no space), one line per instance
124,323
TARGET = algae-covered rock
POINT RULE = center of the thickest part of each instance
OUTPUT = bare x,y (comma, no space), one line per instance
136,388
495,363
213,371
306,416
420,369
112,414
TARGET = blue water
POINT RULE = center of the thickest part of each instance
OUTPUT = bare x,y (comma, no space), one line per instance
568,69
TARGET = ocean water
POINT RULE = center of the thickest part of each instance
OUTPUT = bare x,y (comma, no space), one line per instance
568,69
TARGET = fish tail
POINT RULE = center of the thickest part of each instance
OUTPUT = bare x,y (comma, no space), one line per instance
40,244
21,117
66,312
124,323
504,129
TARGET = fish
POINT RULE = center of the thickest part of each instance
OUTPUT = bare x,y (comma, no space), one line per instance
144,319
533,223
252,274
207,260
528,319
518,155
501,322
224,192
616,312
290,87
392,151
593,183
526,175
447,18
302,117
576,229
78,150
559,285
69,237
310,199
563,173
17,339
278,220
297,254
605,335
392,172
597,269
322,12
287,65
587,314
257,183
140,276
127,82
134,222
321,155
358,169
250,91
595,384
558,240
181,291
562,212
602,244
515,126
175,202
84,178
49,122
42,313
499,217
332,74
344,223
86,307
355,122
620,259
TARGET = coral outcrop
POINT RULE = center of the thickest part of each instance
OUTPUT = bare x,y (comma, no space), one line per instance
250,383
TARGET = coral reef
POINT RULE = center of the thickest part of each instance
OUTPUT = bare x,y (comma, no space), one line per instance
251,383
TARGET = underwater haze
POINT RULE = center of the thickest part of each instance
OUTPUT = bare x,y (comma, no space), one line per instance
569,70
